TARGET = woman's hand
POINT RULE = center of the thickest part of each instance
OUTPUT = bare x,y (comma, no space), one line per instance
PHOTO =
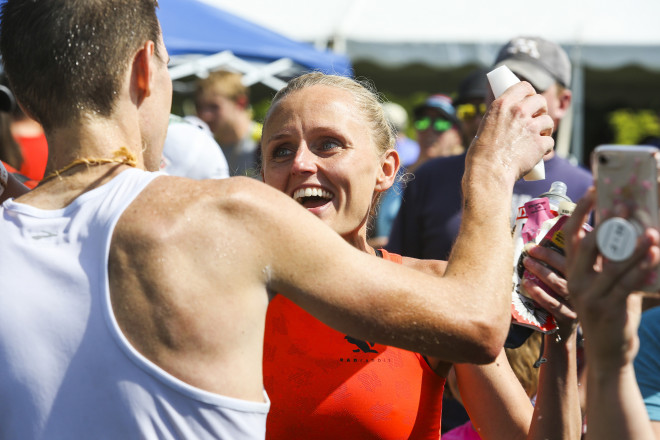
549,266
601,289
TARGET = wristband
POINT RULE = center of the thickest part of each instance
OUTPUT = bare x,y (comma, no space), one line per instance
4,176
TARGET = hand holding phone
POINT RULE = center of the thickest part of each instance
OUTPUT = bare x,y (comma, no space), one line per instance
626,199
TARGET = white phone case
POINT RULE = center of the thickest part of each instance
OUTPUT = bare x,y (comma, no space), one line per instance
627,186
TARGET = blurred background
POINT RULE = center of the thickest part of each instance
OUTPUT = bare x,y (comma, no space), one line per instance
412,48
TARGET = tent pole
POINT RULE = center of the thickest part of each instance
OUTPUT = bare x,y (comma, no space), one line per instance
577,106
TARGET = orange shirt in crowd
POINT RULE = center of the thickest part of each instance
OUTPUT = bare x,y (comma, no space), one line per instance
35,155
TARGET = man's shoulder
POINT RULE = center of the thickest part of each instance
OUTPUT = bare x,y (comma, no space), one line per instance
170,200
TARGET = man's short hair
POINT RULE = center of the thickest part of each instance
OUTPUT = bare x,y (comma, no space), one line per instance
224,83
67,58
541,62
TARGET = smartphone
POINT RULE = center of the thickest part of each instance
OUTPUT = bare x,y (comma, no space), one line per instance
626,186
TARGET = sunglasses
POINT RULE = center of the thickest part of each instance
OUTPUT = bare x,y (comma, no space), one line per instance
465,112
438,125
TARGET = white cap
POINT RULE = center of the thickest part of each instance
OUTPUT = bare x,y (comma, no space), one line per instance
617,238
501,79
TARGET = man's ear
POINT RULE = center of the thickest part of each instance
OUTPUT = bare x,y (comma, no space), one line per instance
142,72
565,97
388,170
242,101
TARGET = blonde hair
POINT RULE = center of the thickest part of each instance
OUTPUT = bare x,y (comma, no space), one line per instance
364,95
522,361
223,82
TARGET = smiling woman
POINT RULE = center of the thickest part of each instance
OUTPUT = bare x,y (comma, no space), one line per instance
326,143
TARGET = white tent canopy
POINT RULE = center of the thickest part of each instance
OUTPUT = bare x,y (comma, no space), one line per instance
602,33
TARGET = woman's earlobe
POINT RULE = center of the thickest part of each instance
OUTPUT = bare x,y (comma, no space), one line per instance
388,172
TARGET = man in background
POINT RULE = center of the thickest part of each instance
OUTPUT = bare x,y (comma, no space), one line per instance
223,102
437,129
430,215
471,104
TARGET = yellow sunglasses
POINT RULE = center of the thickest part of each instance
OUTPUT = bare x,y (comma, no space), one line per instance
465,112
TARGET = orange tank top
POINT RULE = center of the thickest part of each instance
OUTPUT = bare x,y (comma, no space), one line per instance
324,384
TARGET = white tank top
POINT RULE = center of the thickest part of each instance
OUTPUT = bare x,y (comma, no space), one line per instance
66,369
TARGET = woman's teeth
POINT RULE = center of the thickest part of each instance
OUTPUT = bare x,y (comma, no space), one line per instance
299,194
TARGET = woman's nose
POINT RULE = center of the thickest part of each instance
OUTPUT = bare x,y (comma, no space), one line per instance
304,161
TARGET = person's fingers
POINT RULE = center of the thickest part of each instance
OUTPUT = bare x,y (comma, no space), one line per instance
581,254
518,91
548,256
556,299
535,105
548,276
559,307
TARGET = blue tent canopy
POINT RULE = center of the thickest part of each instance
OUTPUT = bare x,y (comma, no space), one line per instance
194,27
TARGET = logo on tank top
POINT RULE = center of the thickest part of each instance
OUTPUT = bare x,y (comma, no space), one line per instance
362,346
363,352
40,235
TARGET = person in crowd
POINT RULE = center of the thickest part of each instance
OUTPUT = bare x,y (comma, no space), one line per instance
647,365
11,185
134,303
647,362
325,138
11,157
522,360
190,151
428,220
603,293
408,151
10,152
223,102
407,148
32,140
437,128
470,103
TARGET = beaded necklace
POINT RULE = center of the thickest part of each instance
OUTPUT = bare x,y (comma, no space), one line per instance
121,156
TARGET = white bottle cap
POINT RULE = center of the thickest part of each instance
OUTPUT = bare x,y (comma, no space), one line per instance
501,79
617,238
